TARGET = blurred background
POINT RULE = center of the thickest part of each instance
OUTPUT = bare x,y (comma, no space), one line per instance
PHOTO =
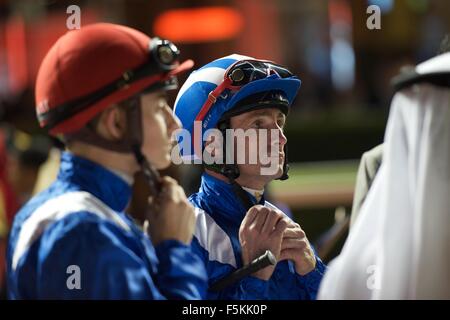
340,112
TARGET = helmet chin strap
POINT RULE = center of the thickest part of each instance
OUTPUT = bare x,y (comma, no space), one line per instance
131,143
285,174
135,138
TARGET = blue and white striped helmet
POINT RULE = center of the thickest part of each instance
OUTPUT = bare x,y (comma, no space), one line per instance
202,82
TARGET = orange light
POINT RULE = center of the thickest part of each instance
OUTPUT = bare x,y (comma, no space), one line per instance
199,24
16,51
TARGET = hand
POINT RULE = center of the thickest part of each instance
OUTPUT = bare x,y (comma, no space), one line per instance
262,229
171,216
295,246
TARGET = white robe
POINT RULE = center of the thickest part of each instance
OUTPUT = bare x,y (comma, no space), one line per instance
399,247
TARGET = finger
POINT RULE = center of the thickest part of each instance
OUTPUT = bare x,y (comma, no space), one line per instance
169,189
287,254
166,184
166,181
293,224
293,244
250,215
179,194
271,220
260,218
293,233
280,227
179,189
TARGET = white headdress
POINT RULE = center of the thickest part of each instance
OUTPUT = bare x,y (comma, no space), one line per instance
399,248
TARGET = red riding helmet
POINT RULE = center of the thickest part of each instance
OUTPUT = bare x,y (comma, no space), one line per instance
89,69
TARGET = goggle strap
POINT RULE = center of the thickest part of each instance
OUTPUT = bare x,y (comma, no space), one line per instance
212,98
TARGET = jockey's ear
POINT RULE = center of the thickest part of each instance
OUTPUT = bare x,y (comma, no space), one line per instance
112,123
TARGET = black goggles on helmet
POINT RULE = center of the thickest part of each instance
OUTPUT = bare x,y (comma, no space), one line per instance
247,71
240,74
164,53
164,58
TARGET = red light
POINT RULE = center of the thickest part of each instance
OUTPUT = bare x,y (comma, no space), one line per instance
199,24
